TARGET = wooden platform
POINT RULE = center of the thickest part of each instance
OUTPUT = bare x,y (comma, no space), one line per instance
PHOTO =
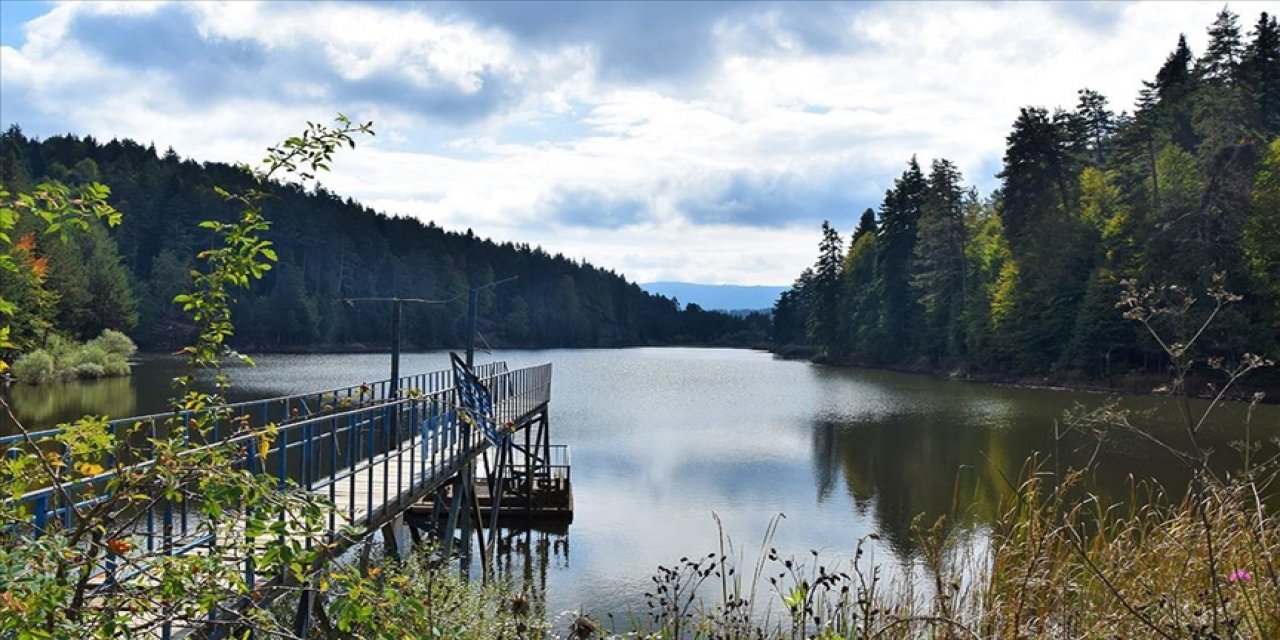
551,501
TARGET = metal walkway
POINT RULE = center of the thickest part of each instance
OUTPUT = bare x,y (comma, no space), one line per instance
367,451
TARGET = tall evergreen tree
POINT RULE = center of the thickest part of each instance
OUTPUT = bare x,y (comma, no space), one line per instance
938,272
1260,70
825,310
1174,87
1221,61
1044,279
1096,123
791,311
866,224
862,298
1035,179
899,228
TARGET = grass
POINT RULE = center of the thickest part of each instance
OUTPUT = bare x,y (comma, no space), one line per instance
1056,564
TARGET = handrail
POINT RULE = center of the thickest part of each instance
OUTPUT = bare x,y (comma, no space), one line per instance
377,391
370,462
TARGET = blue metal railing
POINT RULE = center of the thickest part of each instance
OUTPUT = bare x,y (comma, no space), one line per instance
290,407
370,461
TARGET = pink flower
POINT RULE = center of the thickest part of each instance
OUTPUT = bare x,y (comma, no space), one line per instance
1239,575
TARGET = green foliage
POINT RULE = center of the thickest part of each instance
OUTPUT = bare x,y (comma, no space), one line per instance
115,343
94,292
56,210
824,321
50,579
35,367
420,598
939,273
330,248
62,359
1024,282
895,247
1261,242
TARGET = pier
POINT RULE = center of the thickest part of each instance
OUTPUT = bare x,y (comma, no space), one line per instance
448,455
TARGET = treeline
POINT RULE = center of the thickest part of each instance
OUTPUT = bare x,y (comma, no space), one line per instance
329,249
1027,279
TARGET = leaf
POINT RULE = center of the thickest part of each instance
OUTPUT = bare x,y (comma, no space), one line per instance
89,468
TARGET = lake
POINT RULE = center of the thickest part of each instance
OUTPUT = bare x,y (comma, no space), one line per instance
664,437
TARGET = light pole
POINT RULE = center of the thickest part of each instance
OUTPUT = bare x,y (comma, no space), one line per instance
473,304
473,301
396,304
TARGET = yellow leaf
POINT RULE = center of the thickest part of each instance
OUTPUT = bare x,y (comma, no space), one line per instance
89,468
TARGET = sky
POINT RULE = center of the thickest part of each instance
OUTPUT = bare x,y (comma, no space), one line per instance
698,142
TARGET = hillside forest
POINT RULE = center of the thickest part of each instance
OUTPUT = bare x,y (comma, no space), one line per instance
1182,193
330,249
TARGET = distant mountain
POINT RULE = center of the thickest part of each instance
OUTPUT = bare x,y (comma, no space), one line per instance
726,297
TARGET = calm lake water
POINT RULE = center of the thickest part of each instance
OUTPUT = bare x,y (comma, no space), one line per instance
662,438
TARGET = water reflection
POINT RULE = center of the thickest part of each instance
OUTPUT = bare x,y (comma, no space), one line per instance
664,437
47,405
944,448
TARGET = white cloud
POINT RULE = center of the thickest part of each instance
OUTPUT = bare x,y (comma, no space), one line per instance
718,162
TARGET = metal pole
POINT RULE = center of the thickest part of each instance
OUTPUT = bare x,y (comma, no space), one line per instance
471,509
472,304
393,392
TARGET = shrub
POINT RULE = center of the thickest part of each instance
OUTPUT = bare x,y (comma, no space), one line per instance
115,365
61,350
88,353
116,343
66,360
90,370
36,367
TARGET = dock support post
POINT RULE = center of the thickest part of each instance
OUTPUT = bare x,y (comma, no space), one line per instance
451,524
528,472
302,621
393,537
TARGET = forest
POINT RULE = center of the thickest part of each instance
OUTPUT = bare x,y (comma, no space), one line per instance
329,248
1182,193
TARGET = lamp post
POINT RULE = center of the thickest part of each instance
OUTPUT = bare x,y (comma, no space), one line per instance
473,303
396,304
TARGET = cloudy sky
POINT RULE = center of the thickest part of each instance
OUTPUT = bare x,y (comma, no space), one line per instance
702,142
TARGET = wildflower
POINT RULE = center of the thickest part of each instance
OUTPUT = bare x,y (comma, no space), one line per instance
1240,575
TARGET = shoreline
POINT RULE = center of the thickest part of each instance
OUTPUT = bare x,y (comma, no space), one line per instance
1132,384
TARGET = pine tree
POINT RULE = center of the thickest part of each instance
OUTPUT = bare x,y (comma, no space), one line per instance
862,298
899,228
1043,281
824,322
1260,70
866,224
1096,123
938,271
791,311
1174,87
1221,60
1034,177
